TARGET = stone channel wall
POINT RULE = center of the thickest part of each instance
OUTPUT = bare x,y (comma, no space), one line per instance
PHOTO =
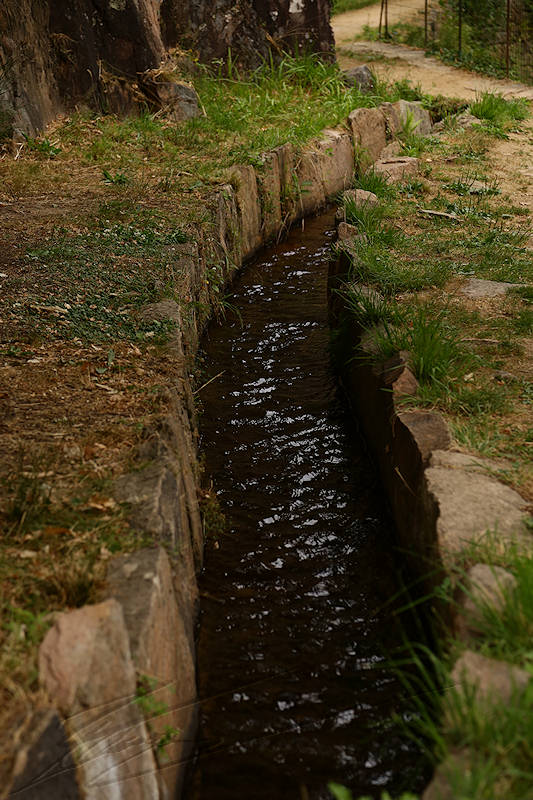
119,675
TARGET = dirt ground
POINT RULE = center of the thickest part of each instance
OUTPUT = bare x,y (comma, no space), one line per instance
351,23
512,159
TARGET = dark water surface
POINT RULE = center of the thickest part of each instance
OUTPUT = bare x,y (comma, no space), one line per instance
293,626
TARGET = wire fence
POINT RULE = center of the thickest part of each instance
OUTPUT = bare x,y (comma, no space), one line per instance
492,36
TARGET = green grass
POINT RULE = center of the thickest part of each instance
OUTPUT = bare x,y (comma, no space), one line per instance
523,322
466,185
454,375
287,101
378,263
399,32
368,308
94,298
368,218
433,345
508,633
340,792
485,746
340,6
372,181
495,108
124,253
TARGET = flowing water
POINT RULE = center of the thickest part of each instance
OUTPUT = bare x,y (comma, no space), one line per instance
296,622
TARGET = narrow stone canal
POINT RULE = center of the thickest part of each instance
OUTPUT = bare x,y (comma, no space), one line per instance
296,623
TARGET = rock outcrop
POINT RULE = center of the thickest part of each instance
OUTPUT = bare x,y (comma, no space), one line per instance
54,55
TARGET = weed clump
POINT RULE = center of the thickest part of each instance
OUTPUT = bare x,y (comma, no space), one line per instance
499,110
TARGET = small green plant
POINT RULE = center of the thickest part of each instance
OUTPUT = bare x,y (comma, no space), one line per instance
479,400
525,292
431,343
471,183
412,188
168,736
368,218
152,708
42,146
145,697
27,626
508,631
214,520
523,322
118,179
340,792
340,6
366,306
31,495
409,126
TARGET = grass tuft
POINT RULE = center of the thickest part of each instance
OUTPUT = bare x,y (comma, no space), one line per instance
496,109
372,181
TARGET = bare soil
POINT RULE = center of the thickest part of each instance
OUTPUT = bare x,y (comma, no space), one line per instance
350,24
512,159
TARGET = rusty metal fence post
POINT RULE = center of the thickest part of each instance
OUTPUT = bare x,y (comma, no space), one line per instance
460,30
508,38
384,19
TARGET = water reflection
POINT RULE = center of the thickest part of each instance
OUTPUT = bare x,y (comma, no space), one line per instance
294,623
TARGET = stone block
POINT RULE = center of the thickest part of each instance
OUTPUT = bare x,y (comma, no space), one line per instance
361,77
397,169
287,180
227,223
405,385
178,100
441,787
269,182
486,587
391,151
244,182
85,666
428,430
412,113
43,766
360,197
465,119
479,288
309,185
337,161
393,122
471,502
346,231
161,648
494,681
166,310
369,133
